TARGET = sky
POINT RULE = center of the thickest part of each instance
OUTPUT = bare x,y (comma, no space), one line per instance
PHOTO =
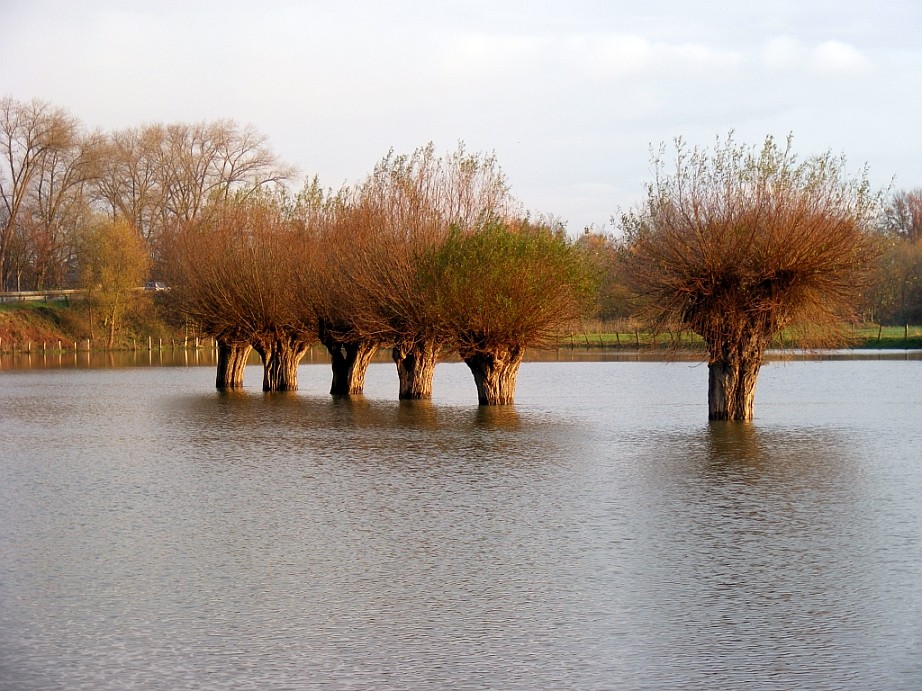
571,97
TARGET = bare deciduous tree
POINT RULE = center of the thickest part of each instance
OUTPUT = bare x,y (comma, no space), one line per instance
738,244
158,175
37,147
902,215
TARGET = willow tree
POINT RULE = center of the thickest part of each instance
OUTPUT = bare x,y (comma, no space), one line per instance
503,288
738,244
340,298
202,260
235,274
410,204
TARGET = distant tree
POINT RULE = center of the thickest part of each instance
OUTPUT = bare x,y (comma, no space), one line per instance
113,265
739,244
896,297
503,288
605,258
58,205
159,175
37,142
902,215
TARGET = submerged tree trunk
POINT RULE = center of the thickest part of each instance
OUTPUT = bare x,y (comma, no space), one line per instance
732,387
281,355
232,360
350,363
415,368
495,373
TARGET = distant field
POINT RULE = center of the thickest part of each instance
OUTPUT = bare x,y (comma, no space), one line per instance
865,337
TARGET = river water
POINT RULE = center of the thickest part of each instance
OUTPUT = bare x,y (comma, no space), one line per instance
155,534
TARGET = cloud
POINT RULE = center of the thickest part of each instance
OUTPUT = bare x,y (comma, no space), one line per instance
783,53
595,57
834,57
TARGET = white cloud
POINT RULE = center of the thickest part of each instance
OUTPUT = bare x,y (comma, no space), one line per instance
597,57
835,57
783,53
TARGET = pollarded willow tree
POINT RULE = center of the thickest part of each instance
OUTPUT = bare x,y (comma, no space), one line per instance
235,273
347,317
739,244
502,288
407,207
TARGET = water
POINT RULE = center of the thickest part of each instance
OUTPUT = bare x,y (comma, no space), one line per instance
599,534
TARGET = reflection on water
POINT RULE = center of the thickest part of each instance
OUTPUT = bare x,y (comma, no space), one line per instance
155,533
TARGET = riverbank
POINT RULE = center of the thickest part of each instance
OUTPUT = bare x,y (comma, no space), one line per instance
66,325
69,325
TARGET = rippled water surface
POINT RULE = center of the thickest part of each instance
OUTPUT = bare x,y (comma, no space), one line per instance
599,534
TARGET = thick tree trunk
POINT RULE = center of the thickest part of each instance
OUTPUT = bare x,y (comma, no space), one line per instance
350,363
415,369
732,388
495,373
232,360
281,356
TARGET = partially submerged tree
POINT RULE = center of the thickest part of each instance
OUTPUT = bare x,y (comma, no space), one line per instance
340,299
738,244
410,204
235,274
501,289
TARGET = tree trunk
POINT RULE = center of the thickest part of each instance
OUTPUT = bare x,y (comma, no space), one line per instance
281,356
415,368
110,343
350,363
232,360
732,388
495,373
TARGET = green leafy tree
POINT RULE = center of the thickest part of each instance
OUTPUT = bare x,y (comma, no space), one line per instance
501,289
113,265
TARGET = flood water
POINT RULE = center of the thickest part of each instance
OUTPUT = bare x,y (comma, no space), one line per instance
600,534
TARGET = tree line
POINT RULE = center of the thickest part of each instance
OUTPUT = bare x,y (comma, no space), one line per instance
431,253
426,255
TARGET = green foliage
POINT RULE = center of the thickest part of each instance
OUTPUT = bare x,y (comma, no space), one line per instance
113,265
507,285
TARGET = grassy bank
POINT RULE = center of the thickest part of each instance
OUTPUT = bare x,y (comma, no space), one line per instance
868,337
64,323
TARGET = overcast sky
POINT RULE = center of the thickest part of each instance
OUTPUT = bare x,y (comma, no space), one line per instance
569,95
